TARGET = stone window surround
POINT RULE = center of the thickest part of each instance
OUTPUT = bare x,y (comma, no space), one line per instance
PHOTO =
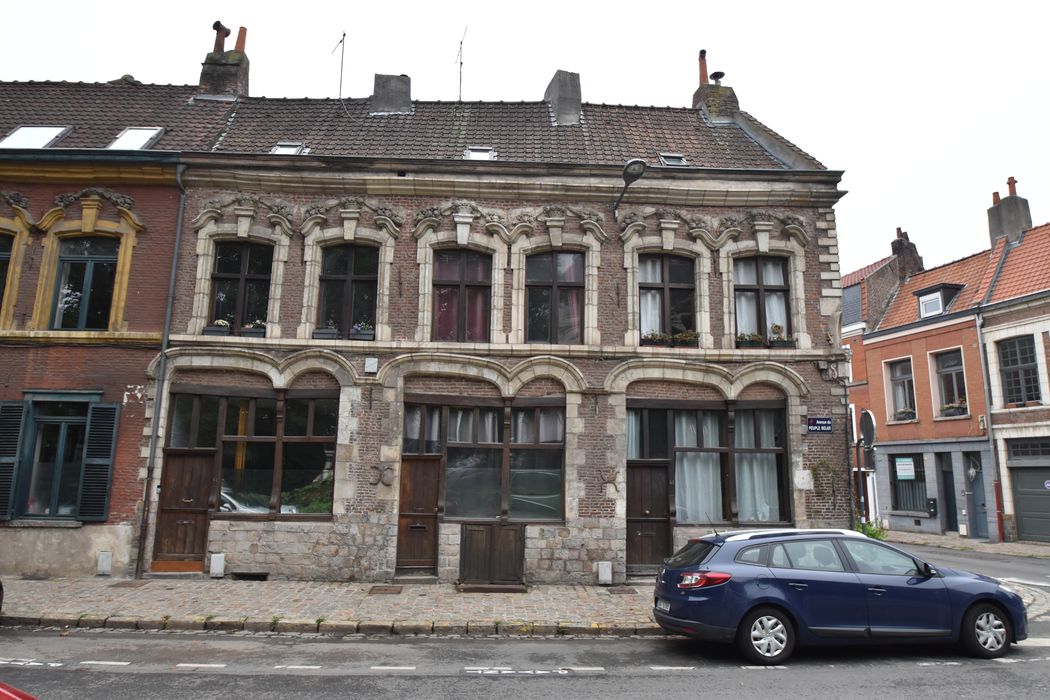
796,258
316,238
211,231
431,239
57,227
1038,329
17,228
590,243
636,243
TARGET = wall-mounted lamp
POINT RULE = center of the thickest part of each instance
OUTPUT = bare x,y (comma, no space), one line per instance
632,170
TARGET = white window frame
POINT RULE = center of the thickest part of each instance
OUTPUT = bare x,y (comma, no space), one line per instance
925,301
479,153
288,148
152,133
54,134
887,384
673,160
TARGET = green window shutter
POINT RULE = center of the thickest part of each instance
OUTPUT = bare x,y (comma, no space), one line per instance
12,418
99,450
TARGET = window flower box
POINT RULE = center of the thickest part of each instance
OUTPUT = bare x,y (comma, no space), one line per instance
656,339
218,327
686,339
904,414
781,343
252,332
326,333
750,340
954,409
362,330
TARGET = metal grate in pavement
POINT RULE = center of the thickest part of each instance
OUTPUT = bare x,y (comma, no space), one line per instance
129,584
622,590
384,590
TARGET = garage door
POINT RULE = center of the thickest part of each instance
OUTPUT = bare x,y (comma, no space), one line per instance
1032,502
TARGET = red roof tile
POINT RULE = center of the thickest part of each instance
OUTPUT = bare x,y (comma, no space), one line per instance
1027,266
857,276
970,273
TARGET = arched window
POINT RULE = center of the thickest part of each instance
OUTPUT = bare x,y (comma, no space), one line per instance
462,295
348,282
87,268
554,306
241,285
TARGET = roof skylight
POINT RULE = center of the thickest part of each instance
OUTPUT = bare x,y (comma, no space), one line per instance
33,136
288,148
135,138
673,159
479,153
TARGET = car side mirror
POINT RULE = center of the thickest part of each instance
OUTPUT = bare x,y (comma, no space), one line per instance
928,571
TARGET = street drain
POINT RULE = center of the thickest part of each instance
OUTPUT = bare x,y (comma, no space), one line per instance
622,590
128,584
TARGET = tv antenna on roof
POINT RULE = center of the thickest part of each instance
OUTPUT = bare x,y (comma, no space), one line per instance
342,42
459,59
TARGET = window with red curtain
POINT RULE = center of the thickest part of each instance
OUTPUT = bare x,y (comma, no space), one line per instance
462,295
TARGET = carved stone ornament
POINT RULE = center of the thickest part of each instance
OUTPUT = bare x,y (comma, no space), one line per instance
250,200
632,218
427,213
120,200
15,199
792,220
352,203
761,217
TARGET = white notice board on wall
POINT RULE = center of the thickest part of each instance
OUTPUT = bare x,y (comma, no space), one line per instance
905,469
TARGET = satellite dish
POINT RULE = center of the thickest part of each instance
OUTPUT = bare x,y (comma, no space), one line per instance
867,428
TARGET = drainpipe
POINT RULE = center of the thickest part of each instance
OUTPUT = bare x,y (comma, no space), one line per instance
162,366
996,485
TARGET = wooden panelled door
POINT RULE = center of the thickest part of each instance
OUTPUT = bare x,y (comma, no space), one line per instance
417,518
182,520
492,553
648,519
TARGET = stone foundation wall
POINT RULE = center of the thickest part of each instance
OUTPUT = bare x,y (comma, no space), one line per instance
39,549
569,554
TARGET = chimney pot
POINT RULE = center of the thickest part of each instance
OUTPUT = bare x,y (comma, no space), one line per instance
995,198
221,32
703,67
1012,184
242,35
224,72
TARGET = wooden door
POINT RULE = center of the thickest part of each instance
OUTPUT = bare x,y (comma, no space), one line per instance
182,519
417,519
492,553
648,519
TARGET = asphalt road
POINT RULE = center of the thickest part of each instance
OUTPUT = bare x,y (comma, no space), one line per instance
1022,569
210,665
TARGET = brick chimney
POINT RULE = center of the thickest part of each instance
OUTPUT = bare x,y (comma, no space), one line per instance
565,97
908,260
225,73
1009,216
392,94
717,101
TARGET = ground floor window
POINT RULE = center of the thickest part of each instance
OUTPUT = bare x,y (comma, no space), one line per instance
498,460
56,456
275,454
908,481
717,478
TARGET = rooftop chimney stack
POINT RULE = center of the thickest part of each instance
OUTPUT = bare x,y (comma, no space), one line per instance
392,94
565,97
225,73
718,102
1009,216
908,259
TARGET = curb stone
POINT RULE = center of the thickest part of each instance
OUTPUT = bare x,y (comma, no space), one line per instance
450,629
185,623
296,626
151,623
338,627
59,620
225,624
122,623
410,627
258,625
92,621
375,627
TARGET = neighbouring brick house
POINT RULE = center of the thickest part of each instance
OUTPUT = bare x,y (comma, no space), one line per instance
419,339
950,340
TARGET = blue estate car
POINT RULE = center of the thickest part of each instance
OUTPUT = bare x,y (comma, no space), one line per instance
768,590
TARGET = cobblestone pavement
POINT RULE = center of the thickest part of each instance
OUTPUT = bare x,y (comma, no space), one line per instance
355,608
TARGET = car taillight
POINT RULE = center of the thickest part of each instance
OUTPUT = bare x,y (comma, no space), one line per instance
703,579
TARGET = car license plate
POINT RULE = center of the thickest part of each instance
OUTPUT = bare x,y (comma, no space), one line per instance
662,605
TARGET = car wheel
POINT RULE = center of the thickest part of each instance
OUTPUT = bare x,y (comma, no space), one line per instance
985,631
766,636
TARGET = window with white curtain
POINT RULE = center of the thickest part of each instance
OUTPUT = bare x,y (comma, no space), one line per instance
761,289
698,463
666,294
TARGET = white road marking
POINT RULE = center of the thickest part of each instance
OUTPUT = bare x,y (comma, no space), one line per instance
200,665
672,668
20,662
486,668
1006,661
586,669
940,663
1036,642
764,668
298,667
393,668
105,663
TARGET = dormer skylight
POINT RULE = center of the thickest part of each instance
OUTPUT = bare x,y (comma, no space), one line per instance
34,136
288,148
136,138
673,160
935,300
479,153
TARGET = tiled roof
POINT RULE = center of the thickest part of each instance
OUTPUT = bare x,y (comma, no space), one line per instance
98,112
1027,266
968,272
518,131
857,276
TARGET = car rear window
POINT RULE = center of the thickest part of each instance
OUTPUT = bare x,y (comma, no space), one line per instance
695,552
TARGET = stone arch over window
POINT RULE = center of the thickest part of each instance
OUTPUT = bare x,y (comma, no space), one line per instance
15,233
526,241
339,222
638,240
58,226
245,220
792,247
429,238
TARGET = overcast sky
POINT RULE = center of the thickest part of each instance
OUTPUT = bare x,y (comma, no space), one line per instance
927,106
